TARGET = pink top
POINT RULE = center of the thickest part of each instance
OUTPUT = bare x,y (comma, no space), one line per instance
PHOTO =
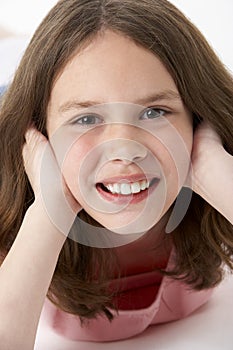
145,300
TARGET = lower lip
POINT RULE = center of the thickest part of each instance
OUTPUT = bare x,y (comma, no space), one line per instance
131,198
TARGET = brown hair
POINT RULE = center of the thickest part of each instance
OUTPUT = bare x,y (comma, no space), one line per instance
204,240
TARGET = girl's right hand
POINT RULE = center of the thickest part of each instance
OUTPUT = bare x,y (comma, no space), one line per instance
47,182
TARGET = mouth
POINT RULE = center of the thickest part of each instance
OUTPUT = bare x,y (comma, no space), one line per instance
127,192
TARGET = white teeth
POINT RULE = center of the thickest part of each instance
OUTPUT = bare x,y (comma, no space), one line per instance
135,187
110,188
127,189
116,188
144,184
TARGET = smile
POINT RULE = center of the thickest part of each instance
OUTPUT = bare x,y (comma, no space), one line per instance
119,192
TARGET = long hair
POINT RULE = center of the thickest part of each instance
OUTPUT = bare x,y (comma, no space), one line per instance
204,239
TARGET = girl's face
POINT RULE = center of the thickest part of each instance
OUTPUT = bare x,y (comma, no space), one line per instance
117,124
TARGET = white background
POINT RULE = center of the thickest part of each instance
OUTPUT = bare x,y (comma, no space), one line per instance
21,17
213,17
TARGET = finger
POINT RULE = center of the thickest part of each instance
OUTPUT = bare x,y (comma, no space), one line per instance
206,130
33,136
30,134
34,146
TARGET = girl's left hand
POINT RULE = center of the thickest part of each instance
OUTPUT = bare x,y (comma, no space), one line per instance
211,172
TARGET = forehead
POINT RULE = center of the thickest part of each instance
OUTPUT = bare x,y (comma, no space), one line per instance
111,69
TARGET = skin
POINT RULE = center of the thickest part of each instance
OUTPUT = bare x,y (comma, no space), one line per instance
91,76
212,171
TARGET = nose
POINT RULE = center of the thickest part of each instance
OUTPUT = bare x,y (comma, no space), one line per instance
124,145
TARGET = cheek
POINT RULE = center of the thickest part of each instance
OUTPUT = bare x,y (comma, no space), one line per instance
73,163
187,136
172,147
185,129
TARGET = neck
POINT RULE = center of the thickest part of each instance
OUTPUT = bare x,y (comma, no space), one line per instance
147,252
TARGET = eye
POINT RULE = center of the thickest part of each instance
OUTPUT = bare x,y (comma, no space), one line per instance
153,113
87,120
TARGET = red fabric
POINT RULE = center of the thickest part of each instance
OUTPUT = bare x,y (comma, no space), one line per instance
137,291
174,300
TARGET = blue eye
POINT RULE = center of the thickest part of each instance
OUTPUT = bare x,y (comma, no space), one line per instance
153,113
87,120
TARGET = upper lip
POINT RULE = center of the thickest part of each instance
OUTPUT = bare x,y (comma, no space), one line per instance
128,178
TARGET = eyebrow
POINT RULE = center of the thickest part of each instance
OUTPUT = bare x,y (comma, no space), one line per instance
168,95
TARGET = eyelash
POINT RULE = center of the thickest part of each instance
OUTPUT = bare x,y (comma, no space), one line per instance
149,109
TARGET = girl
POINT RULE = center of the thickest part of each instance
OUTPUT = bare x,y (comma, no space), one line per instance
115,108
